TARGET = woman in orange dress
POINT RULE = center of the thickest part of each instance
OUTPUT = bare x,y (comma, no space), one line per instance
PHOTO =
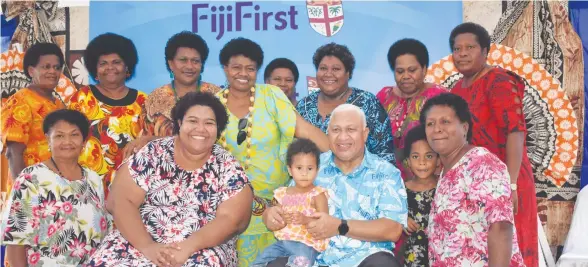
23,113
22,116
112,108
185,55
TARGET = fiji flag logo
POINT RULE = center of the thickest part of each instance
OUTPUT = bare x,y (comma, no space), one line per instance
325,16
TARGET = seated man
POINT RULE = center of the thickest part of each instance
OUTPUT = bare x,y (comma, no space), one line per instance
367,199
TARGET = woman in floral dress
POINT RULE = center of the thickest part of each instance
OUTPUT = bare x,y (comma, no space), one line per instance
56,213
23,113
471,221
408,59
495,97
334,65
112,108
180,200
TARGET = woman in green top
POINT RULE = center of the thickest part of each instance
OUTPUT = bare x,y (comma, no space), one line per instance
262,123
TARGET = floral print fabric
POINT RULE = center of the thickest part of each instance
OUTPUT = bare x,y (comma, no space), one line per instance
404,115
177,203
299,203
470,197
419,207
496,103
22,122
113,124
60,222
155,116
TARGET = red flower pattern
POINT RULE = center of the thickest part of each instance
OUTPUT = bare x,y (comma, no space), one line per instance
470,197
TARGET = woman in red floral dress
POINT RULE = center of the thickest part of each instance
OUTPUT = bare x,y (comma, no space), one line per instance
495,98
408,59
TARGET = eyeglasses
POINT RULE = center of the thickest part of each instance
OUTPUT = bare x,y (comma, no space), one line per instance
242,134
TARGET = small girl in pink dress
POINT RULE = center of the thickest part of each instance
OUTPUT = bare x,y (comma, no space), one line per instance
298,202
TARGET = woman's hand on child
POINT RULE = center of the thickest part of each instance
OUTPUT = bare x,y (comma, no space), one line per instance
412,226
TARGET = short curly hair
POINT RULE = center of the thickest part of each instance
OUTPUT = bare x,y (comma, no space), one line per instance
34,53
241,46
303,146
186,39
408,46
482,35
455,102
70,116
110,43
414,135
339,51
200,99
281,63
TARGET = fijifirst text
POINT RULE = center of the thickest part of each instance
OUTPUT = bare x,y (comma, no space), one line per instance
231,18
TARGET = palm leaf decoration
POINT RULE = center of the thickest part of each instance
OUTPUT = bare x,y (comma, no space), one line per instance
335,10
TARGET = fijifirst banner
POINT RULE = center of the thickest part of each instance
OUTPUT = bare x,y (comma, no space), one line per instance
231,18
292,29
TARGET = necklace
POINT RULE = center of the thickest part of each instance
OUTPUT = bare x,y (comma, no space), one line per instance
339,97
61,174
343,94
476,76
173,86
400,118
248,130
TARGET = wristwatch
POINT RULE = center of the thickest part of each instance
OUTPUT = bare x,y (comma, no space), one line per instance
343,228
513,187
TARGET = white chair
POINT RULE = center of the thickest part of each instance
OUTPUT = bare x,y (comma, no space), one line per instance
575,252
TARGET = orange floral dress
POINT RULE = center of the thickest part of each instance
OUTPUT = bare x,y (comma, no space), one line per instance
299,203
113,124
22,122
155,117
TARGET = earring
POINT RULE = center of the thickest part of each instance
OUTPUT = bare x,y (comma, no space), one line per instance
171,75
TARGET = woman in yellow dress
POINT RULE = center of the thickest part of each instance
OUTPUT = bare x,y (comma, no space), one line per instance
22,116
23,113
262,123
112,108
185,55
